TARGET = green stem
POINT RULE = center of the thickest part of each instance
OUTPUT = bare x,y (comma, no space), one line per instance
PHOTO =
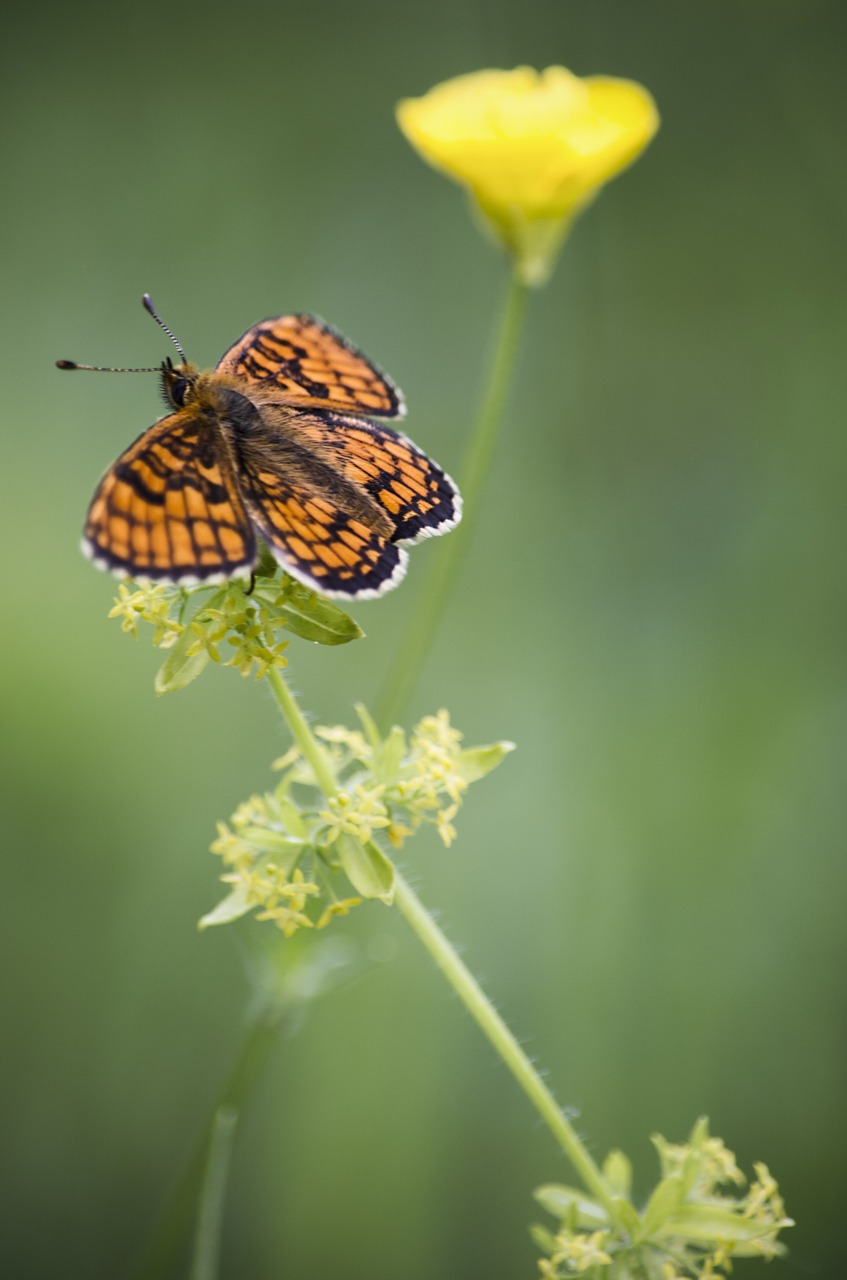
207,1241
488,1019
167,1244
426,615
303,736
457,974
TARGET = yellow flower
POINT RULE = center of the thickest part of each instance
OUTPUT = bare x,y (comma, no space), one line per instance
444,824
337,909
533,148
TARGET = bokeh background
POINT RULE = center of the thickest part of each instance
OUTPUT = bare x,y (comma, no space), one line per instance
652,887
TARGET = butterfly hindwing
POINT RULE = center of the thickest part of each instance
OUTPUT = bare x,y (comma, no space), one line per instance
418,497
169,509
308,361
314,534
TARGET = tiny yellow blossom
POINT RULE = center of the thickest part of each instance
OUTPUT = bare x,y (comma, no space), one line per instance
231,848
533,148
352,739
580,1252
287,920
719,1164
152,603
398,833
207,641
340,908
128,607
284,761
445,826
356,815
437,731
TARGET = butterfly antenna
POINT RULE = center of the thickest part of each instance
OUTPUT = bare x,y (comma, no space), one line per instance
148,306
100,368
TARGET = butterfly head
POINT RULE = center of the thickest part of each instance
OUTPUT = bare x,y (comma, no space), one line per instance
178,382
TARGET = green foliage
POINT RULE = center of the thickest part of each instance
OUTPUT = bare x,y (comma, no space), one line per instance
690,1227
299,857
194,624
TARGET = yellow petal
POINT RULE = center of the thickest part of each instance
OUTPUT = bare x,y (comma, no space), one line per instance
532,147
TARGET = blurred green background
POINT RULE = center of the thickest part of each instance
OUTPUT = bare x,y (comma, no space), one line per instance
654,609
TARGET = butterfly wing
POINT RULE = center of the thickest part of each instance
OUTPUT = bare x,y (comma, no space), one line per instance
169,508
418,497
308,361
317,535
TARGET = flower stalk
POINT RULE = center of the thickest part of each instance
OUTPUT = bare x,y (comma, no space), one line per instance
426,616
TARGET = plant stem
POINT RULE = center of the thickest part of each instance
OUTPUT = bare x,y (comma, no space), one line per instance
303,736
457,974
486,1016
207,1241
166,1245
426,615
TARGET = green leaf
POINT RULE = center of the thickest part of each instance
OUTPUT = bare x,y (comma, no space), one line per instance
666,1199
366,867
290,816
764,1247
707,1224
700,1132
626,1217
285,852
313,617
231,907
389,756
617,1170
369,725
476,762
180,667
544,1239
559,1200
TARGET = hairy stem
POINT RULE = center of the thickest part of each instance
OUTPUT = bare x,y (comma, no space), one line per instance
486,1016
426,615
301,732
457,974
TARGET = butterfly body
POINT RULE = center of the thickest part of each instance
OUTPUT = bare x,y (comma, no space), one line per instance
274,445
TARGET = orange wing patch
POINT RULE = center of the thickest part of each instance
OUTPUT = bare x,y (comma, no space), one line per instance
314,539
309,362
169,509
420,499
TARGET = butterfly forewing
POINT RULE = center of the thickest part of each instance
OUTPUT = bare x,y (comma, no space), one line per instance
306,360
170,510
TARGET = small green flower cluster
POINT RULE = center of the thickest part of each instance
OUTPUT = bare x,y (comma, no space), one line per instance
240,620
410,784
285,852
690,1228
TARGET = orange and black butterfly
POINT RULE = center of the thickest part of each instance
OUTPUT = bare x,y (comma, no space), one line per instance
274,445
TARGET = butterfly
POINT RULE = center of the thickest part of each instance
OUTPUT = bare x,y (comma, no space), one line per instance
275,445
